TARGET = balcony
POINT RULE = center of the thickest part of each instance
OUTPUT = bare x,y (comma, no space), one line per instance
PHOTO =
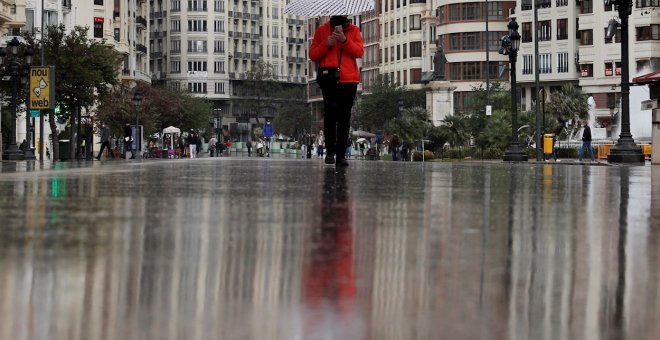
140,48
197,9
66,6
141,22
156,55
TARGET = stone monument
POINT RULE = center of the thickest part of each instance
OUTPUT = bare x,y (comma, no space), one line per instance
439,92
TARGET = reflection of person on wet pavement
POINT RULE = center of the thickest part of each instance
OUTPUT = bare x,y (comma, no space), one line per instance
329,273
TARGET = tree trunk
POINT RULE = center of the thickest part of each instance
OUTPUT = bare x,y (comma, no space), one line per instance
52,118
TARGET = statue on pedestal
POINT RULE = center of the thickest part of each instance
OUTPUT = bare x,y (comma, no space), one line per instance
439,61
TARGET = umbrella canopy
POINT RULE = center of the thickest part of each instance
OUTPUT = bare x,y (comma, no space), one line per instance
365,134
171,129
361,140
316,8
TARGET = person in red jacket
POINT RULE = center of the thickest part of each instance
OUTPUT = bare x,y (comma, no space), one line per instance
337,44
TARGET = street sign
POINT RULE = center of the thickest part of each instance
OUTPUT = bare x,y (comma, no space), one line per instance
34,113
489,110
42,87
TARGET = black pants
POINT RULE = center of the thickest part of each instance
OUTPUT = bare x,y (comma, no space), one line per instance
104,145
337,101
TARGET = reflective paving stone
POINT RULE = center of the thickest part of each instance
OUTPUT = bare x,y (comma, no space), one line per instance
235,248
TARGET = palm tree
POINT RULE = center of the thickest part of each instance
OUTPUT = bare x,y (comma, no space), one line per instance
454,127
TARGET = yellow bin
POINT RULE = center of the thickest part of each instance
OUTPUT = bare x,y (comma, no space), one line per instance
547,143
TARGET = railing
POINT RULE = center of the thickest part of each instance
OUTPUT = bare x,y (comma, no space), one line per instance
647,3
141,20
156,55
197,9
648,36
141,48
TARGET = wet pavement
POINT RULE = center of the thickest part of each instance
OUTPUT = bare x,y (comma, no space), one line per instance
238,248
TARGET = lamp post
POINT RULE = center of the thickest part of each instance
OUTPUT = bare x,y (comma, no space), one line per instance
218,122
625,150
510,45
137,102
16,71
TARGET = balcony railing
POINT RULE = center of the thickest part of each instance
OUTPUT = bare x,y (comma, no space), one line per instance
141,48
647,3
141,21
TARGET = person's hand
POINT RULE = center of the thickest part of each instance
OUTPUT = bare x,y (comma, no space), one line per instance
339,36
331,40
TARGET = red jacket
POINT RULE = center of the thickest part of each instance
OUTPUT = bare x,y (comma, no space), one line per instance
327,56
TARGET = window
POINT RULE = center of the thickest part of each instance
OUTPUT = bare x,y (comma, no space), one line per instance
197,87
471,41
545,63
455,71
562,29
545,30
526,5
562,62
398,52
495,10
197,26
392,53
398,26
615,39
562,3
471,70
219,26
527,32
220,88
494,39
219,46
276,31
197,65
405,51
415,49
609,70
392,29
175,46
651,32
455,12
455,42
586,37
415,22
51,18
404,25
415,75
197,5
528,64
175,66
472,11
197,46
98,2
98,27
387,59
175,26
523,99
586,70
219,6
176,6
385,30
586,6
219,66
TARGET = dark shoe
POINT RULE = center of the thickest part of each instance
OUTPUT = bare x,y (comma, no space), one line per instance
342,161
98,158
330,158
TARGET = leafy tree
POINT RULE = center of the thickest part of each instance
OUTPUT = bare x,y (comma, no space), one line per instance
382,103
256,91
412,125
454,128
85,71
497,132
161,107
568,103
293,118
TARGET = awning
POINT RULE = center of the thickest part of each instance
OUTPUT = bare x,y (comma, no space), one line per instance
649,78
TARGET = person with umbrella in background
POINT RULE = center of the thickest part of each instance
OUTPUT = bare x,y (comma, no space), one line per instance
336,46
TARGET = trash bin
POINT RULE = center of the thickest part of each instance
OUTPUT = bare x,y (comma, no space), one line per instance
547,143
164,153
65,148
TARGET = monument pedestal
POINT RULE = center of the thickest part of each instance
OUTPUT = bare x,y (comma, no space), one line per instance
439,100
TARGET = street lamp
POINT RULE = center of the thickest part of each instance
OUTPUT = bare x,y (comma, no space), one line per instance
16,71
510,45
218,122
137,102
625,150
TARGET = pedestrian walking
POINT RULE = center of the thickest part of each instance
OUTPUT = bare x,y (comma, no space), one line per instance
192,145
105,141
394,147
586,142
404,150
269,132
320,144
212,146
336,46
249,147
128,140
